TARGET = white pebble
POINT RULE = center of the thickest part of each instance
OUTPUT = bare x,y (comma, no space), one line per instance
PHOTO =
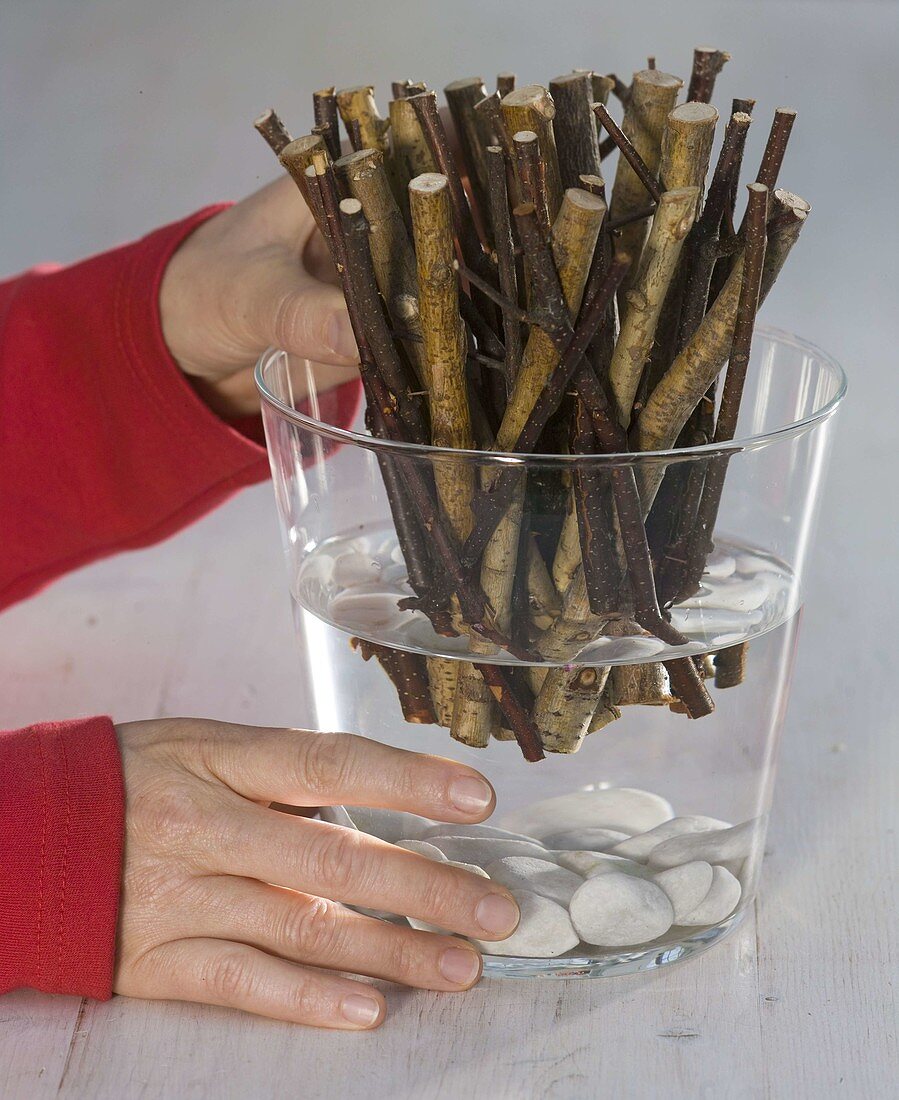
752,564
549,880
686,886
594,838
396,555
633,648
393,574
544,931
444,830
639,847
589,864
715,620
485,849
367,610
617,910
336,815
719,902
423,849
738,595
719,846
389,825
356,568
625,809
320,567
422,925
720,566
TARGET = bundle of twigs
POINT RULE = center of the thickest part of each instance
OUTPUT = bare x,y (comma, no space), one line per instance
503,301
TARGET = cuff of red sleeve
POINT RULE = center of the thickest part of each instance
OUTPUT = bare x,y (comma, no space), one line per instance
60,885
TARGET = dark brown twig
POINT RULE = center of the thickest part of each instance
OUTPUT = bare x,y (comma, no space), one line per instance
701,544
324,108
532,175
629,153
776,147
273,130
409,675
707,64
505,256
574,126
505,83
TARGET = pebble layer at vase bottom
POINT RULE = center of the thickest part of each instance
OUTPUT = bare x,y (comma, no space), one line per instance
608,880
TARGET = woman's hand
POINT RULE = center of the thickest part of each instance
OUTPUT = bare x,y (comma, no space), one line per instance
255,275
232,903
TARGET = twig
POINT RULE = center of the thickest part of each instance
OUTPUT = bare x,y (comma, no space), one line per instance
531,108
707,64
532,175
505,83
629,153
574,126
357,105
324,108
776,147
505,256
273,130
473,136
408,673
725,429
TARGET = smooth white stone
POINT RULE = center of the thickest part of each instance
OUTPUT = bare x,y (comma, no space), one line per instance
444,830
720,846
719,567
319,568
740,595
624,649
396,555
615,864
639,847
714,619
719,902
625,809
389,825
686,886
594,838
367,610
544,931
356,568
485,849
728,639
752,564
589,864
549,880
618,910
423,849
336,815
422,925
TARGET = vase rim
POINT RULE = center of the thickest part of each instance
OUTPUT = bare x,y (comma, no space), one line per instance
782,433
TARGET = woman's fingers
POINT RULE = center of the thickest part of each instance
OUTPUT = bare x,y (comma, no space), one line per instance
322,769
322,933
345,865
236,975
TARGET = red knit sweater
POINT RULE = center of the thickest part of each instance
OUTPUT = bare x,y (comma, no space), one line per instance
103,447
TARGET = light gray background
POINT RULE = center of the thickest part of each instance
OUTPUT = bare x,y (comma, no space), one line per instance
118,116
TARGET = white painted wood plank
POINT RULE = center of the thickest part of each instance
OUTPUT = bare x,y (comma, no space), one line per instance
691,1031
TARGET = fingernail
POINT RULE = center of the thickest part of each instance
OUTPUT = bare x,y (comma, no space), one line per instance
361,1010
497,915
340,337
470,794
459,966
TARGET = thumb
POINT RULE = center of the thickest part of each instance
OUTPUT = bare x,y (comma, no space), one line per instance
308,318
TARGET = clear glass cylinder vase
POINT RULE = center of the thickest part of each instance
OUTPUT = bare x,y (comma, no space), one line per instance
642,829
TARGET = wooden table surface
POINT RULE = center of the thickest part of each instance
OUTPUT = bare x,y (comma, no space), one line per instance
801,1000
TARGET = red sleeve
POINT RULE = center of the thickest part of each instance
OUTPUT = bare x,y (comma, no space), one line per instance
61,827
104,446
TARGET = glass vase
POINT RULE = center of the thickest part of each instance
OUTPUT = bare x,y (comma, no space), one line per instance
648,824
